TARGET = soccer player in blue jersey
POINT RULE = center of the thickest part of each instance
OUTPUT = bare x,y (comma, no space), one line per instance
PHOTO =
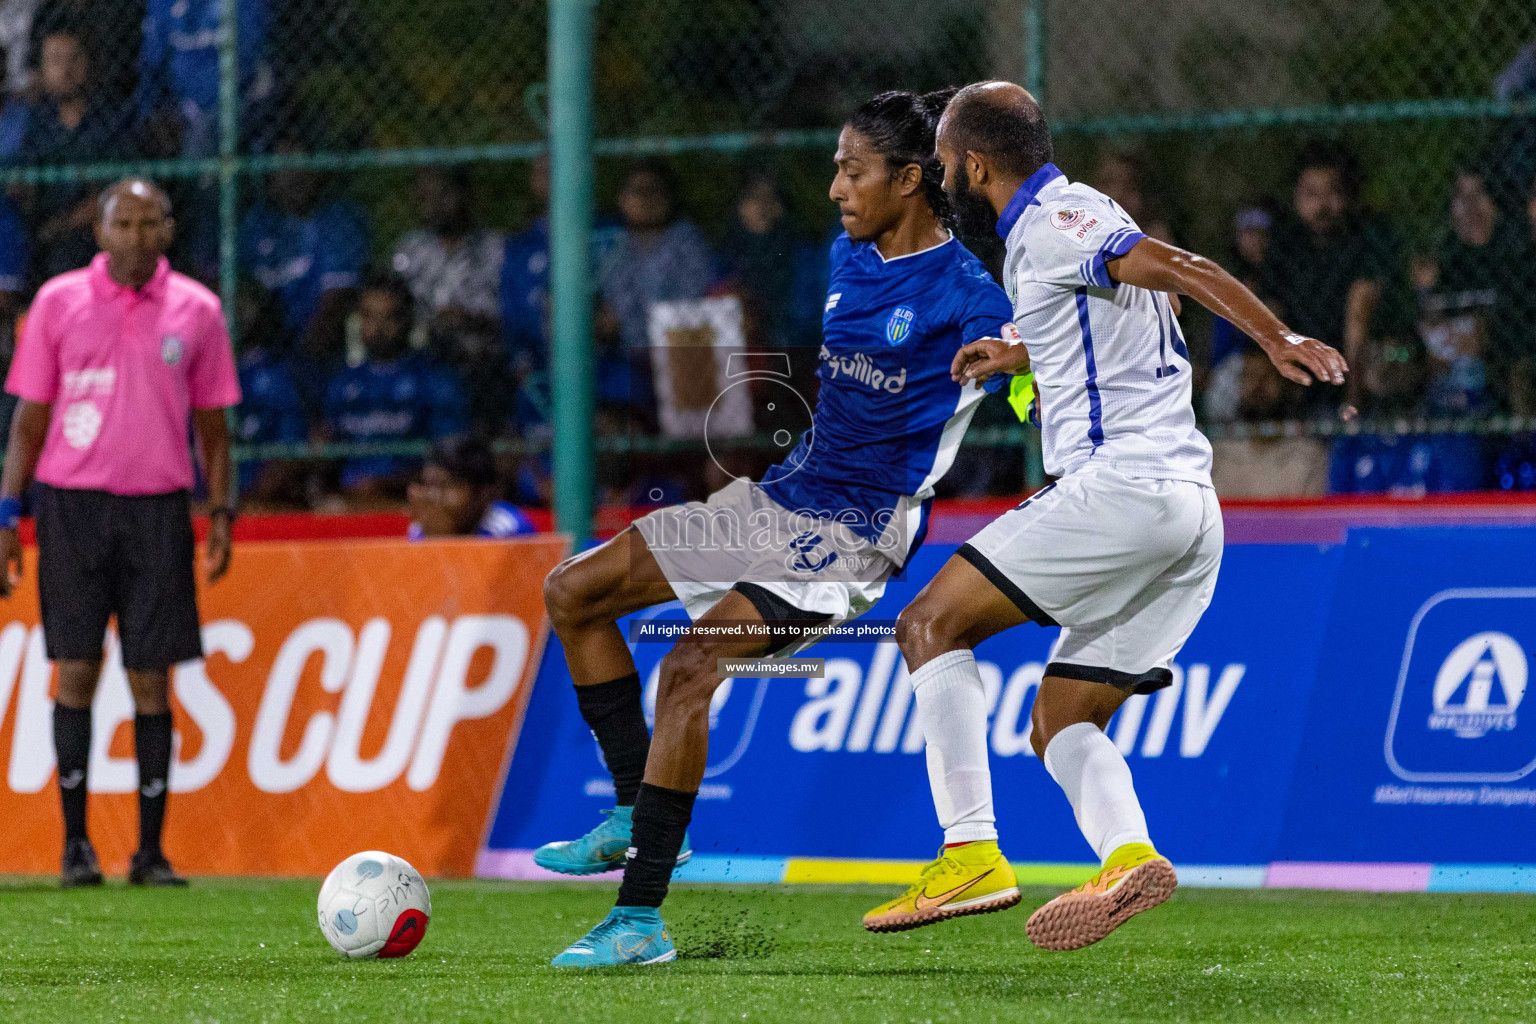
808,547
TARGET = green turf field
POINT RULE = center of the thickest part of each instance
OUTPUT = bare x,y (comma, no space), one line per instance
238,951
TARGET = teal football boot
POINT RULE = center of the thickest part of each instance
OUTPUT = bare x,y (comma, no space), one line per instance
602,849
628,935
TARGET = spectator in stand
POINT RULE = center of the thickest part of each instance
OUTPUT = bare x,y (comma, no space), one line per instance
16,18
14,257
1514,160
1250,241
525,312
458,494
394,394
177,99
178,90
1266,467
13,113
72,121
1409,465
310,252
661,254
271,410
1123,176
1332,269
452,267
762,256
454,271
1468,296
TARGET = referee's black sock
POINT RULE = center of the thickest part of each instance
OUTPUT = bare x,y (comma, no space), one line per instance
72,747
152,746
612,711
661,819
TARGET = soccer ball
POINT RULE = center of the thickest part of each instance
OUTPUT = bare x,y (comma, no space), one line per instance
374,905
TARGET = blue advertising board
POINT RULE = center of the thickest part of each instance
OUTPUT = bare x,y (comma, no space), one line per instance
1415,748
834,767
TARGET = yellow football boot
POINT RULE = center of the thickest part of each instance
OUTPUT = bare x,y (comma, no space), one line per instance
972,879
1134,878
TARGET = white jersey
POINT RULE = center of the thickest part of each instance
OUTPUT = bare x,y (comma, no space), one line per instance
1110,363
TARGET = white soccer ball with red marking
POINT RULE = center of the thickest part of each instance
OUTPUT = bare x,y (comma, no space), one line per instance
374,905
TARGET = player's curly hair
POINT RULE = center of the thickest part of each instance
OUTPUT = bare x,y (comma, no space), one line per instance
901,126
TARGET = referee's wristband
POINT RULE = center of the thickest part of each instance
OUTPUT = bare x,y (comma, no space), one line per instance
10,513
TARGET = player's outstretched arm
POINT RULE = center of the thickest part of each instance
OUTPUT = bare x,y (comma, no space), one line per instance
1165,268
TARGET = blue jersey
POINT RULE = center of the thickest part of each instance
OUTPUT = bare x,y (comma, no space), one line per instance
270,410
501,519
525,287
179,53
298,259
888,419
414,398
14,249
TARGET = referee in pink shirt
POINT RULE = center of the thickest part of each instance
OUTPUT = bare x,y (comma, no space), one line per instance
114,361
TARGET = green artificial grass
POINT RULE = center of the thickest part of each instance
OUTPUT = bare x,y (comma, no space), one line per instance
233,951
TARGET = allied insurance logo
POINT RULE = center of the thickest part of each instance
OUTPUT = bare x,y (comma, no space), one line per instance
1480,686
1456,712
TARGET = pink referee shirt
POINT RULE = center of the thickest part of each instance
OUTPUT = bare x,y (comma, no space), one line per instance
123,370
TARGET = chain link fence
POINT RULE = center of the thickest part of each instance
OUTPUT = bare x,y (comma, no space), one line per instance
370,200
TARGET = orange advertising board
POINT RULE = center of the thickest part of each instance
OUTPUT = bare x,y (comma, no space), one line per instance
355,695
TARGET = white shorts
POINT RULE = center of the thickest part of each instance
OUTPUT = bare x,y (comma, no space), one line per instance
784,562
1125,565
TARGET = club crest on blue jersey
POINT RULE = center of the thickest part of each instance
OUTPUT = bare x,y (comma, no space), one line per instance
899,325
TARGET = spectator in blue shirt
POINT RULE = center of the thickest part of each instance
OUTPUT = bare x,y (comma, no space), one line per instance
271,409
72,121
458,494
525,277
394,394
13,109
270,412
179,67
310,252
14,254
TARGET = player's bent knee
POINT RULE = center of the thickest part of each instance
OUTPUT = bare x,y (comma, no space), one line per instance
567,596
924,630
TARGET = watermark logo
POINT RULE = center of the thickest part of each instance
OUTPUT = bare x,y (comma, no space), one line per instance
803,555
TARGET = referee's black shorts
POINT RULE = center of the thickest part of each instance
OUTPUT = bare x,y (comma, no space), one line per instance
102,554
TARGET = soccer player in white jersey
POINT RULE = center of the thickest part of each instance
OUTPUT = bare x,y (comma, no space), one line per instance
1122,549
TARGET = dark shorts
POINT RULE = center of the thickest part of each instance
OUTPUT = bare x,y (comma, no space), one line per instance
101,555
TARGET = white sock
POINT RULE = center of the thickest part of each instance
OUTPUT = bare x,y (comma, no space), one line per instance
952,706
1089,768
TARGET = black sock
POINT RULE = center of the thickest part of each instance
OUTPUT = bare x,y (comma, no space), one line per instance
661,818
152,746
72,747
612,711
